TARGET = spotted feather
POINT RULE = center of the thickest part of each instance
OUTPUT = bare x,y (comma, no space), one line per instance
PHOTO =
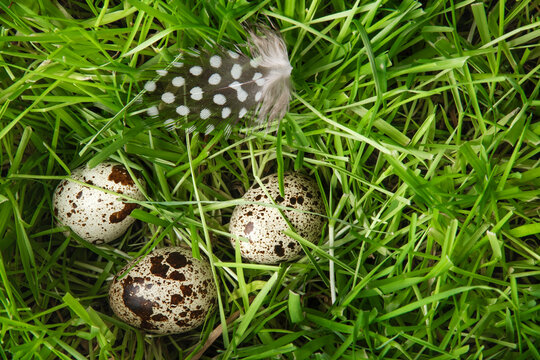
206,90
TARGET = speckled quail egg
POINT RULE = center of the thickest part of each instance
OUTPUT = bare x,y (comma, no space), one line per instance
96,216
263,225
166,292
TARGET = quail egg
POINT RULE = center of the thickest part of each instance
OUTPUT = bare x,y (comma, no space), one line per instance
263,225
166,292
96,216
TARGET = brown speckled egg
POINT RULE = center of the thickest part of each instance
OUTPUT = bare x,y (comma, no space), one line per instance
166,292
96,216
263,225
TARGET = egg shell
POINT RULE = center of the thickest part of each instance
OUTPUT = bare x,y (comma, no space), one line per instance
166,292
94,215
263,226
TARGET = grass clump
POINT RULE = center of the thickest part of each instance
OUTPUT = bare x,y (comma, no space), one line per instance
419,121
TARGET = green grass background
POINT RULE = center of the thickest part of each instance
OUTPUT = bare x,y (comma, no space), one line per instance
418,120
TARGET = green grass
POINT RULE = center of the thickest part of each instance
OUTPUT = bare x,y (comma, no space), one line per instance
418,120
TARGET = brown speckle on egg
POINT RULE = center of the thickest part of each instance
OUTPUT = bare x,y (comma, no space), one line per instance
119,174
99,215
249,228
278,249
176,299
118,216
176,275
177,260
158,268
264,225
166,292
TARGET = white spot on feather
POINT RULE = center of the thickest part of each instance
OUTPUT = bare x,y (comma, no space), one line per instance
242,112
234,85
236,71
219,99
215,61
170,124
242,95
153,111
233,54
182,110
196,70
196,93
225,112
150,86
214,79
205,114
168,97
178,81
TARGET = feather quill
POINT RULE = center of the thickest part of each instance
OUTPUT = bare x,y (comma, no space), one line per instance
206,90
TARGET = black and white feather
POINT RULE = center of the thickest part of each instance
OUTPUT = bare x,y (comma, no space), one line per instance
205,90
